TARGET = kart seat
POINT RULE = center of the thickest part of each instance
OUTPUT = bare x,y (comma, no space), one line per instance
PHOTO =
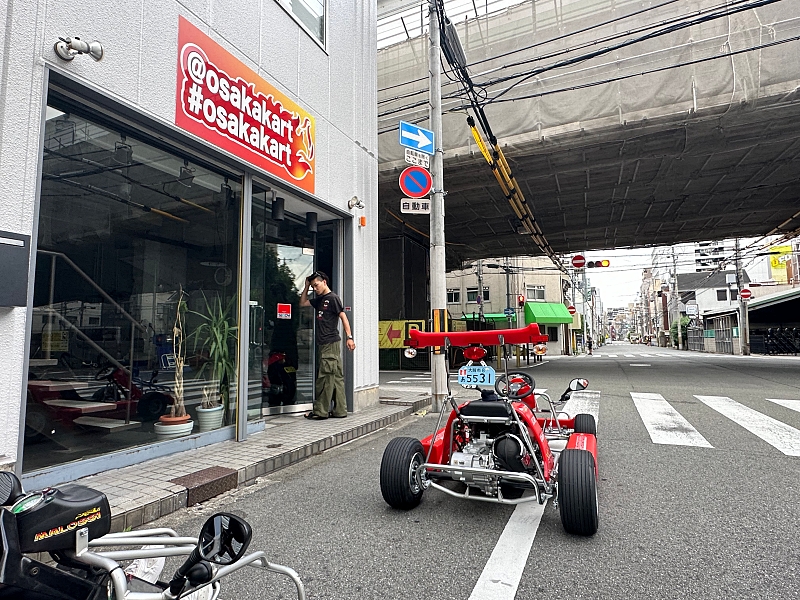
485,409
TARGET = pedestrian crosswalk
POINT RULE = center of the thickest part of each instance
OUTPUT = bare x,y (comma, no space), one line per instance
667,426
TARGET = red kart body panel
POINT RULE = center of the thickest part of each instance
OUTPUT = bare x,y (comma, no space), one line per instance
524,335
584,441
441,455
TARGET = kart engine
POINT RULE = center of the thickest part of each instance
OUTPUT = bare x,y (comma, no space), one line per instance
497,450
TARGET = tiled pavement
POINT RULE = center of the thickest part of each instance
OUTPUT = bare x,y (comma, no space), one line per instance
146,491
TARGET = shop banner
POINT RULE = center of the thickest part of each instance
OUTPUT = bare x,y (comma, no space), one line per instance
224,102
393,334
779,258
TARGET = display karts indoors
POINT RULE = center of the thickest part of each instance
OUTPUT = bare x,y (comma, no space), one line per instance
502,443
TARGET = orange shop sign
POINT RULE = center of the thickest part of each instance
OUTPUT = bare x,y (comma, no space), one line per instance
224,102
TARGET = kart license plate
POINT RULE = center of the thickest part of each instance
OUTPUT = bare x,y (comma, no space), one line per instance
476,375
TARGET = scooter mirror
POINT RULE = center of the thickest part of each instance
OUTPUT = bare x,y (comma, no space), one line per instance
224,539
578,384
10,488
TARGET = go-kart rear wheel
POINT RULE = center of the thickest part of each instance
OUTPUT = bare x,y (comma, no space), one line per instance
585,423
152,405
577,492
401,482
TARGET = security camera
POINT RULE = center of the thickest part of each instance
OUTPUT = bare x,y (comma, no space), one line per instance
68,48
355,202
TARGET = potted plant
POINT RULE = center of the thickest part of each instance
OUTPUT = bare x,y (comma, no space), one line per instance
178,422
217,336
209,414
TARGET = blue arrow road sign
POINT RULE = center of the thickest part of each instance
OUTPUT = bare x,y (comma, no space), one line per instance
416,137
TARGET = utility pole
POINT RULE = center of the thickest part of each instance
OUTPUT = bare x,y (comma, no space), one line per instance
437,255
744,337
480,290
677,300
572,281
507,269
585,305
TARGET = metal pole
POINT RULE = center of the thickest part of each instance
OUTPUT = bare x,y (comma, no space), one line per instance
677,300
744,341
437,254
584,309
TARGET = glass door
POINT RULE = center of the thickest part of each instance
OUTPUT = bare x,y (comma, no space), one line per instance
281,336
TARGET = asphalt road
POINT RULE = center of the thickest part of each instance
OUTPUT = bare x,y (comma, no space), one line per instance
715,521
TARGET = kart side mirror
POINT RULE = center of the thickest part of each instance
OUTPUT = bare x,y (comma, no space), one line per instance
578,384
410,352
224,539
10,488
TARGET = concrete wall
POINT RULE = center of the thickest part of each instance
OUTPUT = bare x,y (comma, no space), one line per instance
139,69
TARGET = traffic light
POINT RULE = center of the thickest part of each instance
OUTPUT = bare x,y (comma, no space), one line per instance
598,263
521,301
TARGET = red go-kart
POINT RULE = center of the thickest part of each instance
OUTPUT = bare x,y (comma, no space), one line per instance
500,444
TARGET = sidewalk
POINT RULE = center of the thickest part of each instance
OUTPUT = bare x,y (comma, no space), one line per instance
151,489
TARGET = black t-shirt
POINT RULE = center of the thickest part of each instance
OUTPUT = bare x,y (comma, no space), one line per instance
327,309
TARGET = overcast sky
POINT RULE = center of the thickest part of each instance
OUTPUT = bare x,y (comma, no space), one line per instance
618,283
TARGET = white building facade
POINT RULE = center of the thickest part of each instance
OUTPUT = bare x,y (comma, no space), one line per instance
191,166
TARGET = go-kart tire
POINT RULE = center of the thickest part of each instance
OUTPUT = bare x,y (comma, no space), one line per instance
399,487
152,405
38,424
577,492
585,423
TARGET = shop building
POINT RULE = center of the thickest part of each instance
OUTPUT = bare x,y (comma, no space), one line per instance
172,172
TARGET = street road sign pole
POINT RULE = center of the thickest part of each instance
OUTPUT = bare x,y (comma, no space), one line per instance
437,257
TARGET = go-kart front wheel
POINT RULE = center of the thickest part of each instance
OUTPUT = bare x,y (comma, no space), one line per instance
585,423
577,492
401,482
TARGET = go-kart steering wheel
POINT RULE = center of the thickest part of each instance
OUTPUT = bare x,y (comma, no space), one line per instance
519,386
105,372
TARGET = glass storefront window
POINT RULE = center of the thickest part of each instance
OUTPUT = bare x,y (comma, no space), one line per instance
130,236
281,337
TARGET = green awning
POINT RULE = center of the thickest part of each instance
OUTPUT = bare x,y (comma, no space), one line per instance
546,313
490,318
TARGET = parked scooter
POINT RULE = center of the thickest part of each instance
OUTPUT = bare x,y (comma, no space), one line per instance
71,523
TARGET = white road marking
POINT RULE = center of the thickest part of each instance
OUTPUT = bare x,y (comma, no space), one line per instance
583,401
500,577
647,355
664,355
665,424
774,432
632,355
614,355
792,404
640,365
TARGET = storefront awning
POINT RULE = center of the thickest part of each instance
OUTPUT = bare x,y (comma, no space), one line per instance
546,313
490,318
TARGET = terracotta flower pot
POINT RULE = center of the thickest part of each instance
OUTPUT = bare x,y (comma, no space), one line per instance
167,420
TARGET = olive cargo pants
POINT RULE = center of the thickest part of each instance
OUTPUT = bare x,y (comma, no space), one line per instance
330,382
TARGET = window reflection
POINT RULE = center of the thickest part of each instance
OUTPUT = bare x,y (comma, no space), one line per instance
130,237
310,13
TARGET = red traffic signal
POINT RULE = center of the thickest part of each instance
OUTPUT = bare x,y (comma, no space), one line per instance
521,301
598,263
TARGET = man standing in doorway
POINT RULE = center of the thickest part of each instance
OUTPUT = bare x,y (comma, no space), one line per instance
329,399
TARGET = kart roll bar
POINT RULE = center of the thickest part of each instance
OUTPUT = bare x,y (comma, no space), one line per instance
496,337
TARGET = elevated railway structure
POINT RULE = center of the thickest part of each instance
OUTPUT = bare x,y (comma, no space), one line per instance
626,124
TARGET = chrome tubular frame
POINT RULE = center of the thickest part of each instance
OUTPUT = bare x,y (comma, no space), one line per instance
175,546
459,473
